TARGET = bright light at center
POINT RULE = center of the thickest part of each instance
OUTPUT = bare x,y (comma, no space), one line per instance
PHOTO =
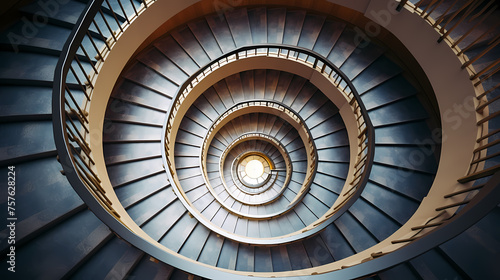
254,169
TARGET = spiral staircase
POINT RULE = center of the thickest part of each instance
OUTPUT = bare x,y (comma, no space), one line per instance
130,127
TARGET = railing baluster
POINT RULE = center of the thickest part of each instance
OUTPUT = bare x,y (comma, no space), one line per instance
455,14
462,18
435,7
75,104
453,205
485,158
133,7
442,17
487,68
98,51
102,35
493,27
82,85
463,36
426,8
107,25
487,76
401,4
90,59
84,72
488,91
473,188
123,10
114,16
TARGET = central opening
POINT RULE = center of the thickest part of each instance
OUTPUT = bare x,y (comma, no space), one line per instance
254,169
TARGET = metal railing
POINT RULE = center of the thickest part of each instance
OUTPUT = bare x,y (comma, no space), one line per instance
315,61
92,38
469,16
98,29
251,136
282,109
462,26
478,199
261,195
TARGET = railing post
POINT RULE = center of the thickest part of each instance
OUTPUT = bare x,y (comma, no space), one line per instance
401,5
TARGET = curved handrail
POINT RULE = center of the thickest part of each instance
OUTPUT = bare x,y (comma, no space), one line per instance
251,136
257,185
73,150
75,75
366,143
76,158
279,107
248,136
479,171
469,11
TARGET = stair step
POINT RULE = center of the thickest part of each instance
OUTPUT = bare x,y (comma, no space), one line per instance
26,67
294,88
296,251
306,93
344,47
160,63
222,34
389,201
412,158
46,37
238,22
25,100
332,140
378,72
131,132
310,30
149,78
211,251
331,125
149,268
328,36
390,91
122,173
433,265
372,218
188,42
26,138
119,256
360,59
173,51
416,184
178,233
125,111
276,19
133,193
355,233
119,152
257,18
201,30
408,109
195,242
83,228
404,270
293,27
467,247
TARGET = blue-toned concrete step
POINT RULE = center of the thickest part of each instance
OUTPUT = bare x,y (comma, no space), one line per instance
51,201
82,228
114,260
26,139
